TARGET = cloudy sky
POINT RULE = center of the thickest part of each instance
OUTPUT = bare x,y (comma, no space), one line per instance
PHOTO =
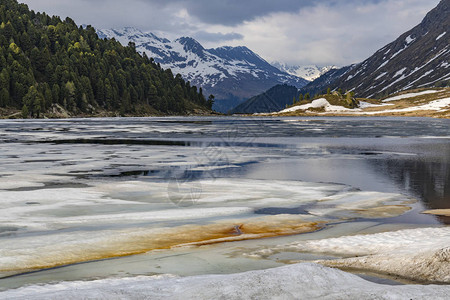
299,32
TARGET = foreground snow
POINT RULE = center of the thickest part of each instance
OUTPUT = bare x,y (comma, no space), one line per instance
417,254
298,281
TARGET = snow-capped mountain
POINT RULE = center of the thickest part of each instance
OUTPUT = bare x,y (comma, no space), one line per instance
232,74
310,72
418,58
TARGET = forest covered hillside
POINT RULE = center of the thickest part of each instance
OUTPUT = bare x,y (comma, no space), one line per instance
50,67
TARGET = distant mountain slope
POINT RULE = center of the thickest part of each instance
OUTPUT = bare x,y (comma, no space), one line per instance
232,74
418,58
320,85
310,72
275,99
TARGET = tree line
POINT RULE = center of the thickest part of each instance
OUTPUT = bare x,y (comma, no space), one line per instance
46,61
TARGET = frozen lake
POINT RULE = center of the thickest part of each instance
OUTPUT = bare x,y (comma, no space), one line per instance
86,199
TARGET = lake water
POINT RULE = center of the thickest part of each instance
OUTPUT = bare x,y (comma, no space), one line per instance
83,199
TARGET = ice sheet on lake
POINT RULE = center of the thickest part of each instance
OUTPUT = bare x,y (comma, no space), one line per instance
298,281
64,226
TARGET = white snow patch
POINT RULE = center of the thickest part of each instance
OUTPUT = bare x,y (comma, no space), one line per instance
363,104
441,35
437,105
409,95
399,72
409,39
318,103
381,75
382,65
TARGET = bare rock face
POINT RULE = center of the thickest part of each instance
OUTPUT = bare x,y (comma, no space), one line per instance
57,111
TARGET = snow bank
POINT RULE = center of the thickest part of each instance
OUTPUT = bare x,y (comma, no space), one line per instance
363,104
409,95
417,254
318,103
432,105
298,281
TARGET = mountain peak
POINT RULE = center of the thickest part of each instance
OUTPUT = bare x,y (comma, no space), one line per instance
190,44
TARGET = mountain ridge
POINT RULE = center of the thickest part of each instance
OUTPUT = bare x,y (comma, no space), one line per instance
232,74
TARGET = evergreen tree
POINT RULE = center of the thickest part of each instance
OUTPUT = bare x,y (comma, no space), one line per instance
210,101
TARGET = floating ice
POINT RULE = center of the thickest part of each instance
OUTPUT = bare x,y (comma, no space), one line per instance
69,225
24,253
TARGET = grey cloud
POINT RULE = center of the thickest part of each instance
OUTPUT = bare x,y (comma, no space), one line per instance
233,12
217,37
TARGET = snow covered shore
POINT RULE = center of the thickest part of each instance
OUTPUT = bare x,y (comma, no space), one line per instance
298,281
421,254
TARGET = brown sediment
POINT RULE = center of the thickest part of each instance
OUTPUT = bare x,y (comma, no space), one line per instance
138,241
386,211
439,212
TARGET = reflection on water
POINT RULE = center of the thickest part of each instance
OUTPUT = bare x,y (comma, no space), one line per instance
427,180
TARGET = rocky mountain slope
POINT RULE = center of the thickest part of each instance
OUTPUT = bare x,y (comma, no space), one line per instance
418,58
232,74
